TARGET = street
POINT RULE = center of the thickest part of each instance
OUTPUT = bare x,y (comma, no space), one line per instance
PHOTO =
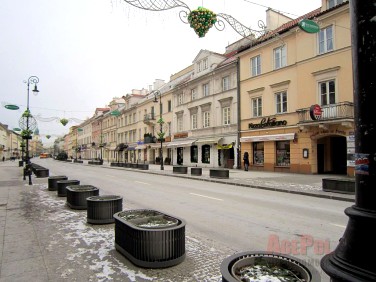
228,218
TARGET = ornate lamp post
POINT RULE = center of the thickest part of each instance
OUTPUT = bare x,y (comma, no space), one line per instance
352,259
161,122
32,80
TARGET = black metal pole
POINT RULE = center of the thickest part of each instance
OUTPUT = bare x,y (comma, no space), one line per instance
161,130
352,259
27,166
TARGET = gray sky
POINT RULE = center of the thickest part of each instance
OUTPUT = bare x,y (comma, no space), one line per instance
85,52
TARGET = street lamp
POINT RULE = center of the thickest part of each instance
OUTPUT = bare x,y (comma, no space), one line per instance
161,122
32,80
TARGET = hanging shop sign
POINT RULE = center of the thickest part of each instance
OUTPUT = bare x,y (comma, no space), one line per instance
309,26
315,112
268,122
224,147
11,107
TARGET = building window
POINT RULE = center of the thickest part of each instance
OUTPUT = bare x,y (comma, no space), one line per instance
225,83
332,3
205,89
257,107
199,67
180,99
326,40
256,65
280,57
281,102
206,120
194,94
169,106
283,153
327,92
258,153
226,115
205,64
194,154
179,124
194,121
205,158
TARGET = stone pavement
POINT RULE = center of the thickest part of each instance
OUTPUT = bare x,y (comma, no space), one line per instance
44,240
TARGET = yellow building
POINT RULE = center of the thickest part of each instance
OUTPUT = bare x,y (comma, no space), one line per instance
296,95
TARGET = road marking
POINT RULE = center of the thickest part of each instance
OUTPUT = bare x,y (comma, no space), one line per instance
338,225
199,195
142,182
110,175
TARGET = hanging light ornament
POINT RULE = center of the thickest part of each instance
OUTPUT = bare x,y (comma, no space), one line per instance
48,136
201,20
64,121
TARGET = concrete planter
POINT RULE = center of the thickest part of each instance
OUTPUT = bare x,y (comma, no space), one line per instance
219,173
149,238
77,195
180,169
52,181
197,171
339,185
41,172
101,209
95,162
62,186
143,166
238,267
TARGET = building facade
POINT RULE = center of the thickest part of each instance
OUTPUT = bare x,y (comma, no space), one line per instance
297,98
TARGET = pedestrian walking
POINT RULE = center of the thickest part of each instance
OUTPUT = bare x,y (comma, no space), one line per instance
246,161
3,158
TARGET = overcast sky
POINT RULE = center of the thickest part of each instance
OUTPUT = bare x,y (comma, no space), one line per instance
85,52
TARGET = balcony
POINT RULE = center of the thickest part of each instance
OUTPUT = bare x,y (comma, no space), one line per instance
342,113
149,118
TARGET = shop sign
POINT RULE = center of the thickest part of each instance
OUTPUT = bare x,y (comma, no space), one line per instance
315,112
268,122
309,26
180,135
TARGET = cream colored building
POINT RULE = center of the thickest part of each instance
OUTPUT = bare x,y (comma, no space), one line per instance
296,96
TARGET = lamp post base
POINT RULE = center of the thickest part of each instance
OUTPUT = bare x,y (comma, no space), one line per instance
350,261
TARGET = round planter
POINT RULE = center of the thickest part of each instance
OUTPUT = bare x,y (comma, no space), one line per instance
77,195
52,181
149,238
241,266
62,186
101,209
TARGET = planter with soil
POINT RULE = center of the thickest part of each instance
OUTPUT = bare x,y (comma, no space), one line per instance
52,181
149,238
77,195
62,186
266,266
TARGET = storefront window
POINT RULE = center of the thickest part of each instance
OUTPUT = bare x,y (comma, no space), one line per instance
194,154
258,153
205,154
283,153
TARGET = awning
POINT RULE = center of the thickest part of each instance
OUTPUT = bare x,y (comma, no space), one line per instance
120,147
181,143
140,147
209,140
275,137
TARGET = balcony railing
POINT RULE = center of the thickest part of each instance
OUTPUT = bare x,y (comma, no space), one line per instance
343,110
149,118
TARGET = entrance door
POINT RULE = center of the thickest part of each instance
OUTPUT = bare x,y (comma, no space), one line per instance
320,158
339,154
179,153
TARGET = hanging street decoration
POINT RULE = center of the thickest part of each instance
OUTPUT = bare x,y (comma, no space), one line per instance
64,121
11,107
16,129
48,136
201,20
